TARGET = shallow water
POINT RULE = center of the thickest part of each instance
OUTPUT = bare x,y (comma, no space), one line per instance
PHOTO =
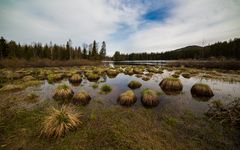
224,91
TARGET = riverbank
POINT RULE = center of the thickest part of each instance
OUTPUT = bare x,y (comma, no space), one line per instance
18,63
228,64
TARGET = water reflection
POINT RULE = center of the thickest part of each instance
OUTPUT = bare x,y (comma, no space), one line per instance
222,90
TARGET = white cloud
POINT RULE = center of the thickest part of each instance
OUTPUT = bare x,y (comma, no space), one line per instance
189,22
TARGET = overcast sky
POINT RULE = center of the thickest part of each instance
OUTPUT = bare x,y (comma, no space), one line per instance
125,25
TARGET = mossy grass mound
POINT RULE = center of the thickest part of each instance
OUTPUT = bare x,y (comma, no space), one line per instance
92,77
134,84
145,78
112,73
175,75
63,93
138,71
171,85
149,98
186,75
105,88
127,98
201,90
54,77
76,78
81,98
28,78
60,121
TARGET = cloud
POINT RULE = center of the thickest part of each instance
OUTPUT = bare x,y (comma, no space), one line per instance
126,25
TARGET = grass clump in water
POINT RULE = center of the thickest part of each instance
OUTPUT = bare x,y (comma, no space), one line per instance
82,98
127,98
106,88
60,121
63,93
201,90
134,84
76,78
95,85
171,85
149,98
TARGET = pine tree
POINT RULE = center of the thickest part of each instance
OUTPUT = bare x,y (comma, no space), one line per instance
103,50
94,50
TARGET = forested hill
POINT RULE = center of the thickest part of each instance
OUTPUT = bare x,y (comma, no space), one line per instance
220,50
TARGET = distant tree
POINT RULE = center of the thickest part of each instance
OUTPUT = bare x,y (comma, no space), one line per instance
94,50
117,56
3,48
103,50
85,51
69,51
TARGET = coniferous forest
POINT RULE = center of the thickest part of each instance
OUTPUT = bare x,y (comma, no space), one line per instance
11,50
220,50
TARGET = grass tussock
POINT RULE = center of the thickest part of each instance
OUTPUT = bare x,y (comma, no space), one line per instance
76,78
60,121
81,98
63,93
201,90
134,84
149,98
171,85
105,88
127,98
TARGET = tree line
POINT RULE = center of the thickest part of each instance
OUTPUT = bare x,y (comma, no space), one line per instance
219,50
11,50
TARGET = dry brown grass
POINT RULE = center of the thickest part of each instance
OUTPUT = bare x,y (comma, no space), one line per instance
60,121
17,63
127,98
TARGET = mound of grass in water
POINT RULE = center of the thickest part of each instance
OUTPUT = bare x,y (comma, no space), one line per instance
95,85
81,98
112,73
149,98
92,76
201,90
134,84
60,121
171,85
76,78
54,77
186,75
106,88
127,98
63,93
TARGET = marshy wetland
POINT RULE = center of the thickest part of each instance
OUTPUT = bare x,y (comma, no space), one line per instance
117,107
